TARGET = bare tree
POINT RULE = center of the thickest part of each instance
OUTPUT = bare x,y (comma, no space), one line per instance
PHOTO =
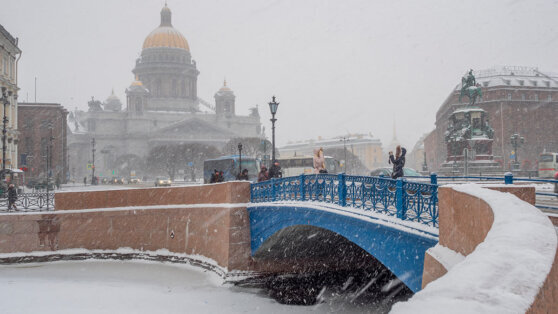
173,157
251,146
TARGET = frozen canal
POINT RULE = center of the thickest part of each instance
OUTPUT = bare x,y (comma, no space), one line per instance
142,287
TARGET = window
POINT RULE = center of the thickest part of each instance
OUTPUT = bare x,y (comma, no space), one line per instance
522,96
521,82
536,97
509,96
92,125
549,97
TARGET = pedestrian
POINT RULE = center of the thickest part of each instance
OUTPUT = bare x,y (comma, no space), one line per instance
556,183
319,161
243,175
57,183
84,181
214,176
398,162
275,170
12,197
221,176
263,175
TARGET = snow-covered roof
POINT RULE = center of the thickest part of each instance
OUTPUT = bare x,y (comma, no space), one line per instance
515,76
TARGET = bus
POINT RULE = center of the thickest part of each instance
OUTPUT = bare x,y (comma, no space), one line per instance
548,165
229,166
296,165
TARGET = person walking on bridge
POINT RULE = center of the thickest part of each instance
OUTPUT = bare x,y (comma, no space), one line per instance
12,197
263,175
319,161
398,162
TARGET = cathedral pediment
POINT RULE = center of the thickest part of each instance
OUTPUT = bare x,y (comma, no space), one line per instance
192,128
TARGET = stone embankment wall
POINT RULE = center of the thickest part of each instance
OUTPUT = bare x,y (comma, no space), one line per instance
208,220
465,221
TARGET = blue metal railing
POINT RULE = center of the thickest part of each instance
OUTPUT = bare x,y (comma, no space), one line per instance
548,203
406,200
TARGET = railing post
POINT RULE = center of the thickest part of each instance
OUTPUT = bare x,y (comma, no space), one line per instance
399,199
433,178
301,178
273,190
342,189
508,178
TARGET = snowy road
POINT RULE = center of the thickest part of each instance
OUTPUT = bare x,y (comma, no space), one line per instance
136,287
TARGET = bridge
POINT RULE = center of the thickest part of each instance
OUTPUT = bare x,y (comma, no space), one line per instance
232,228
395,221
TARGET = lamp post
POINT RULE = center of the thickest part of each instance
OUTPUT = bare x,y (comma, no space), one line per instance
49,165
273,108
516,141
5,101
93,179
239,158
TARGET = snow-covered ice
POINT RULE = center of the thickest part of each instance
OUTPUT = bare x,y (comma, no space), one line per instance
135,287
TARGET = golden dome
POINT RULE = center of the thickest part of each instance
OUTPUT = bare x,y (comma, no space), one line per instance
225,88
165,35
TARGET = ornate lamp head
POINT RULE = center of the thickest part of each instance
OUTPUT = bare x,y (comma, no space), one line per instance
273,105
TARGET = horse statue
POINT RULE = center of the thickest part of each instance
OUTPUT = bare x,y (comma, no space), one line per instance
469,88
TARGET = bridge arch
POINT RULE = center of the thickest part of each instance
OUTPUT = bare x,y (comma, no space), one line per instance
399,247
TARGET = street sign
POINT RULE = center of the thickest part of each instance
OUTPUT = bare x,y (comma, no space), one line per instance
89,166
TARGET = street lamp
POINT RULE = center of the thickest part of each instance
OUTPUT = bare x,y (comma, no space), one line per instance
5,101
93,179
273,108
516,141
49,164
240,158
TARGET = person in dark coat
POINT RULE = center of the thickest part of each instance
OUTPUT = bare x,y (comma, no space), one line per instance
398,161
243,175
221,176
275,170
214,176
263,175
12,197
556,184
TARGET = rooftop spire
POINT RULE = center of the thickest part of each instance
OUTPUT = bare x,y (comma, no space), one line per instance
166,16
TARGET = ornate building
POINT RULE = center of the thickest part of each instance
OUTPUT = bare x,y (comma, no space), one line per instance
521,100
162,107
9,52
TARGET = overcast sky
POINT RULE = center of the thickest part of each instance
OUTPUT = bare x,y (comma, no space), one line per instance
335,66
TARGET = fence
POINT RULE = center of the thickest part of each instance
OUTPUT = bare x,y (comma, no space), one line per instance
29,202
544,200
406,200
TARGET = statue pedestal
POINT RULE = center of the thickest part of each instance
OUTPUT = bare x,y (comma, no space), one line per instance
469,144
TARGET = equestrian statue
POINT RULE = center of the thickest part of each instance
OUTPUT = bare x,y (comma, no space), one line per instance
469,88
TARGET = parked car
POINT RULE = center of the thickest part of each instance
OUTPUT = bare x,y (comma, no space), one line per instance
162,181
386,172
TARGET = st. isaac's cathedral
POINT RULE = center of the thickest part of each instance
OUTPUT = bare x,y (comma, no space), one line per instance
162,107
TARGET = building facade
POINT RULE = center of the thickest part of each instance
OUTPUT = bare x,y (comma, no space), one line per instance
9,57
162,107
43,134
366,148
522,100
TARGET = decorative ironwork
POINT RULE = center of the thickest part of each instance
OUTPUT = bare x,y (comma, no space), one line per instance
406,200
29,202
